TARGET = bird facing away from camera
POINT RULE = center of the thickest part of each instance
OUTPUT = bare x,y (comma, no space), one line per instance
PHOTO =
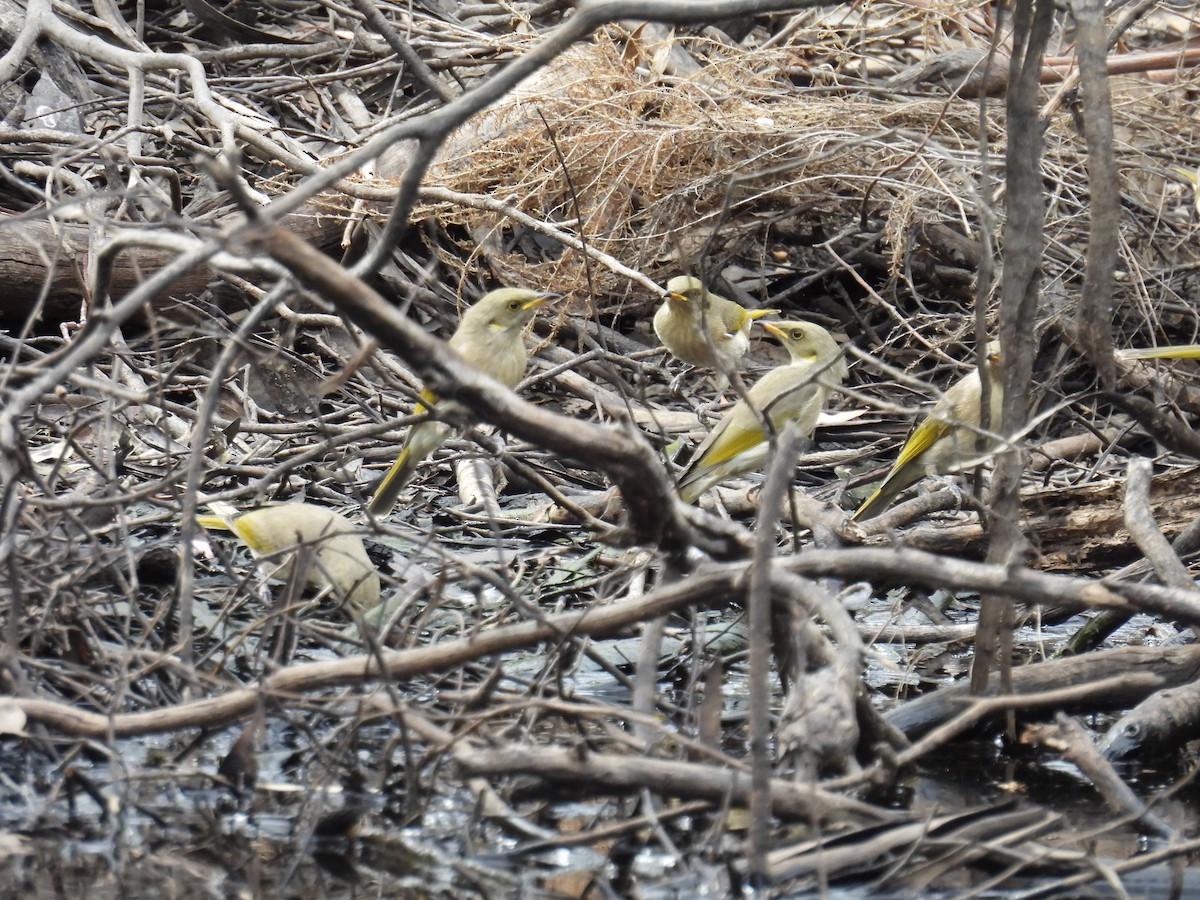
946,439
339,559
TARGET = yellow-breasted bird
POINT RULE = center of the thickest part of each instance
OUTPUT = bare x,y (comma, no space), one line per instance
793,392
489,336
339,559
703,328
945,439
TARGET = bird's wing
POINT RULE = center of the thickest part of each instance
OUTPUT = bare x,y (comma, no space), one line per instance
736,317
782,394
427,402
723,322
924,436
1175,351
729,441
786,392
792,401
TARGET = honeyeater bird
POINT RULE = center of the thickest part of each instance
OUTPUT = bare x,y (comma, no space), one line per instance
793,392
703,328
489,336
339,559
944,440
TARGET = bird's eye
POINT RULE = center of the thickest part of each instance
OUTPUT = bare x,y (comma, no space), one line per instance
514,305
797,334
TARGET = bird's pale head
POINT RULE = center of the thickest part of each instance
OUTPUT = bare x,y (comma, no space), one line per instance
803,340
991,359
684,287
808,342
505,308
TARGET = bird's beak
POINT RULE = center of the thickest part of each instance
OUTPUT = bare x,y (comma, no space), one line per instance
540,299
773,329
671,295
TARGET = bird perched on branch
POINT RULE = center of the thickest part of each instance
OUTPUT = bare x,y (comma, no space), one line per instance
703,328
793,392
946,439
339,559
489,337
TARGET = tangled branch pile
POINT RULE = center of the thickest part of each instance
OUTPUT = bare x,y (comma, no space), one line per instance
531,681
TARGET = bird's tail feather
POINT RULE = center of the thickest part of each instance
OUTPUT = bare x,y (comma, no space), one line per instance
423,439
393,483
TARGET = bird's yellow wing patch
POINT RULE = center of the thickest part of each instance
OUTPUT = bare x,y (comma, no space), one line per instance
427,401
729,444
924,436
1174,351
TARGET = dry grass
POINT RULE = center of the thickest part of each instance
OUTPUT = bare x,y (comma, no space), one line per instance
738,164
